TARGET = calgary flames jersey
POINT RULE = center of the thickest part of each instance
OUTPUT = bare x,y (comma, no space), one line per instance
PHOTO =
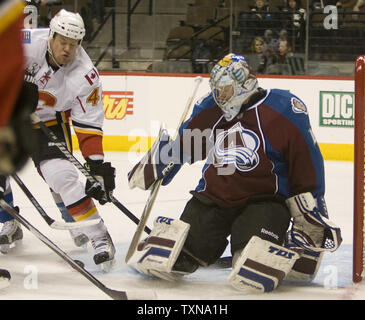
74,89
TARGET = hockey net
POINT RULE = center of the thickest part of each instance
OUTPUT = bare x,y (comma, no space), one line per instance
359,171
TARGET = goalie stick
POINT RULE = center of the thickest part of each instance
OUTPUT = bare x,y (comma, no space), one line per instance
114,294
62,147
156,186
51,222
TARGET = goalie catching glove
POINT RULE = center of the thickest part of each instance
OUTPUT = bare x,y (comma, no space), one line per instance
104,173
311,228
160,162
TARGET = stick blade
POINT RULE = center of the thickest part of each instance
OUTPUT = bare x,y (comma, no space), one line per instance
73,225
141,295
132,294
116,295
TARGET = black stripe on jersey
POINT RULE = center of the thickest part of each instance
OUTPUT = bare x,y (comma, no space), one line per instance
72,205
85,126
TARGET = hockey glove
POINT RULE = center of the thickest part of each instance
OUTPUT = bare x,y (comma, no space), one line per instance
158,163
311,228
105,174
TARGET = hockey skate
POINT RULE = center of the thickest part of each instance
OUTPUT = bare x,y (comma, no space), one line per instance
80,239
4,278
104,251
10,235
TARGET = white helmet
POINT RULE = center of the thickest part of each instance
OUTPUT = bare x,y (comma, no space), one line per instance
67,24
232,82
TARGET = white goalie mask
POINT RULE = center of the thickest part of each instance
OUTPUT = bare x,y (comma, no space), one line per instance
67,24
232,83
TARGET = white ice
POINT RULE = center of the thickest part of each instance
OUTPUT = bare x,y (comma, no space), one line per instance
39,274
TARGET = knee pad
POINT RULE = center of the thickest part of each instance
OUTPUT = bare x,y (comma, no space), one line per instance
62,177
261,266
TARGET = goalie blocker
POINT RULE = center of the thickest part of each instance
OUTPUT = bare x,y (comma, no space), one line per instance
160,162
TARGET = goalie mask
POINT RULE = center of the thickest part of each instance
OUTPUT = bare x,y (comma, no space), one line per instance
232,83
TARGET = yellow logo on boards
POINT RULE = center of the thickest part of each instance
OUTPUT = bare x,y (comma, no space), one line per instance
117,104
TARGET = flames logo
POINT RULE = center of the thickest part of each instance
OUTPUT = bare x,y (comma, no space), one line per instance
117,104
236,146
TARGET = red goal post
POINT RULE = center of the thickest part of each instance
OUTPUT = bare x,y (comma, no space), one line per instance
359,170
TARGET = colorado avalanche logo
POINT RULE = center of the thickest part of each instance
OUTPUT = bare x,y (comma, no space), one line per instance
298,106
237,146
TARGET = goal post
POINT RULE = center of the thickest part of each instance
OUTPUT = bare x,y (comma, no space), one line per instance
359,170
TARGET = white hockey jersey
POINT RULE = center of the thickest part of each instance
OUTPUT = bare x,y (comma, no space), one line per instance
74,88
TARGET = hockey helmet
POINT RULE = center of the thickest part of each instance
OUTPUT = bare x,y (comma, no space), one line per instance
67,24
232,82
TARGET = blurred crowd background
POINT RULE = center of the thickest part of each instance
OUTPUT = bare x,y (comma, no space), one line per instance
287,37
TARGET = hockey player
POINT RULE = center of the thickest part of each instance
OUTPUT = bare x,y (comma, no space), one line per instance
69,87
262,184
31,22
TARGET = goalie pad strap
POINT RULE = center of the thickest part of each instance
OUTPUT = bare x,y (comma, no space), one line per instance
264,269
157,241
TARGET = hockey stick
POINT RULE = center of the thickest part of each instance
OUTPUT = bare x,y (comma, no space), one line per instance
156,186
114,294
51,222
62,147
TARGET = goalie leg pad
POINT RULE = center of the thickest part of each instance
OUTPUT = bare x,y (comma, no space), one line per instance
157,254
306,267
261,266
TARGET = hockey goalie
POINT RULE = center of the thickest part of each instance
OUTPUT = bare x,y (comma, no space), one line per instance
262,184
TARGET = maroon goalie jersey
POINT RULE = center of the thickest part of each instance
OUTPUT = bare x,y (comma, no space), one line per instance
268,150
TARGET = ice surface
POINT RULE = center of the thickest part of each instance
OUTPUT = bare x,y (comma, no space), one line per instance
39,274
